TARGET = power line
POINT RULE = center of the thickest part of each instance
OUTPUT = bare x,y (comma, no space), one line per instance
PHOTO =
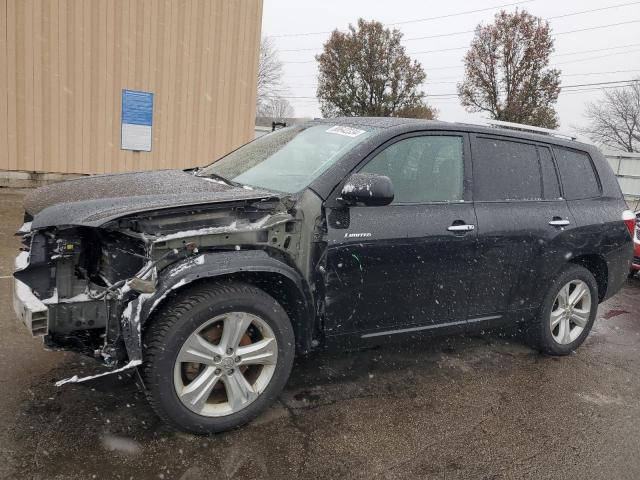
450,67
621,83
553,34
592,10
557,55
466,12
467,46
418,20
597,27
597,57
566,86
305,34
596,50
626,82
449,97
598,73
457,78
450,34
601,83
569,92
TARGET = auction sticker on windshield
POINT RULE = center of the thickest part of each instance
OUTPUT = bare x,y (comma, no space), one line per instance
346,131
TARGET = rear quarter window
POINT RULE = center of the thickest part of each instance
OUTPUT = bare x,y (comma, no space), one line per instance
579,179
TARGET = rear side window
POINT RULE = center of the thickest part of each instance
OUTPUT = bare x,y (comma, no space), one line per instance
576,172
506,170
550,186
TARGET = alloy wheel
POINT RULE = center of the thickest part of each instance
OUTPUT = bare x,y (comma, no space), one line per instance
225,364
570,312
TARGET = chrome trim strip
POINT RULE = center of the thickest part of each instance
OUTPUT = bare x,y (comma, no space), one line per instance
429,327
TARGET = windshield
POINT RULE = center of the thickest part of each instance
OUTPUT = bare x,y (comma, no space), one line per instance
288,160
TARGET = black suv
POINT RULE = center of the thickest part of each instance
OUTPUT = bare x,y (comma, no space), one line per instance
342,232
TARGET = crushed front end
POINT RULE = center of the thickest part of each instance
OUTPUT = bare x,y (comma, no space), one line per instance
83,288
64,287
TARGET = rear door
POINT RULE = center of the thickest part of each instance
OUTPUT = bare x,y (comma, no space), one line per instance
521,215
407,264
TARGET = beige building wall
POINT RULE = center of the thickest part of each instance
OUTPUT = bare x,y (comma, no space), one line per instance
64,63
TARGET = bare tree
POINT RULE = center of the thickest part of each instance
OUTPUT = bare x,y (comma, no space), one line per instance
366,71
507,74
269,74
614,120
277,108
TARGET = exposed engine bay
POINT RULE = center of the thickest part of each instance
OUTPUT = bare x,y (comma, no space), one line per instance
97,282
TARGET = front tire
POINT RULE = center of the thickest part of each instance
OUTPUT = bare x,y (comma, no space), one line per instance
568,312
217,356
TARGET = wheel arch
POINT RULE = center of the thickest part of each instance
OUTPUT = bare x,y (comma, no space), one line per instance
597,265
255,267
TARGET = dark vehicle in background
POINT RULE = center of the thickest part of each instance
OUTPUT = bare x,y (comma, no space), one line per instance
338,232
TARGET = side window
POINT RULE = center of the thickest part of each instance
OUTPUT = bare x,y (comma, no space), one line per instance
576,171
550,185
423,169
506,170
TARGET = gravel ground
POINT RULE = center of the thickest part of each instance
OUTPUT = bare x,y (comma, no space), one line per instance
463,407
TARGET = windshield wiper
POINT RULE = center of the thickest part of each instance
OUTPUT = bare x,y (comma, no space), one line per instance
215,176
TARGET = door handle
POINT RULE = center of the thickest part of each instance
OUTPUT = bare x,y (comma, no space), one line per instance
558,222
461,228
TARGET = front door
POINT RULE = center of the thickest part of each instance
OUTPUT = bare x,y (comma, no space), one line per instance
406,265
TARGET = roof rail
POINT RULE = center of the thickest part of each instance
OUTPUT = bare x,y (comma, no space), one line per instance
529,128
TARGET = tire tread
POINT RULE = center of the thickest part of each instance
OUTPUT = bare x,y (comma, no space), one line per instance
536,336
167,315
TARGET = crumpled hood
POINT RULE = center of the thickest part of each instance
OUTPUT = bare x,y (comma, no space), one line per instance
93,201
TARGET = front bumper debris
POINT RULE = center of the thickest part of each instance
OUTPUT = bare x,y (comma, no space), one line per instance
29,309
76,379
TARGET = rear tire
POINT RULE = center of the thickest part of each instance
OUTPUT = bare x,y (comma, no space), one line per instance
567,313
216,356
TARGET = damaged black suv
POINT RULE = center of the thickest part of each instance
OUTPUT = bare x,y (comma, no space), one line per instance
334,232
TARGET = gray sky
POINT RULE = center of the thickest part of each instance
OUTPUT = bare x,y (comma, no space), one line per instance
444,69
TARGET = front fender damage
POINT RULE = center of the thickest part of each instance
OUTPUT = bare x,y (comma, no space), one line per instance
178,257
207,265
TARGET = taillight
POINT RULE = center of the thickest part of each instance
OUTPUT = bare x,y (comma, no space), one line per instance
629,219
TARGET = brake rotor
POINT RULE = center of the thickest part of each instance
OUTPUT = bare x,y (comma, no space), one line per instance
213,336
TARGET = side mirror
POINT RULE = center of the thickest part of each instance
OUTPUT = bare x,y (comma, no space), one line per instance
367,188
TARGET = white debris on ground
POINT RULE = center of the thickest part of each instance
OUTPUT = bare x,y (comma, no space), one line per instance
76,379
124,445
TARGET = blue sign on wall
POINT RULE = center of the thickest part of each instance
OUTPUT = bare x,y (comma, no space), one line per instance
137,120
